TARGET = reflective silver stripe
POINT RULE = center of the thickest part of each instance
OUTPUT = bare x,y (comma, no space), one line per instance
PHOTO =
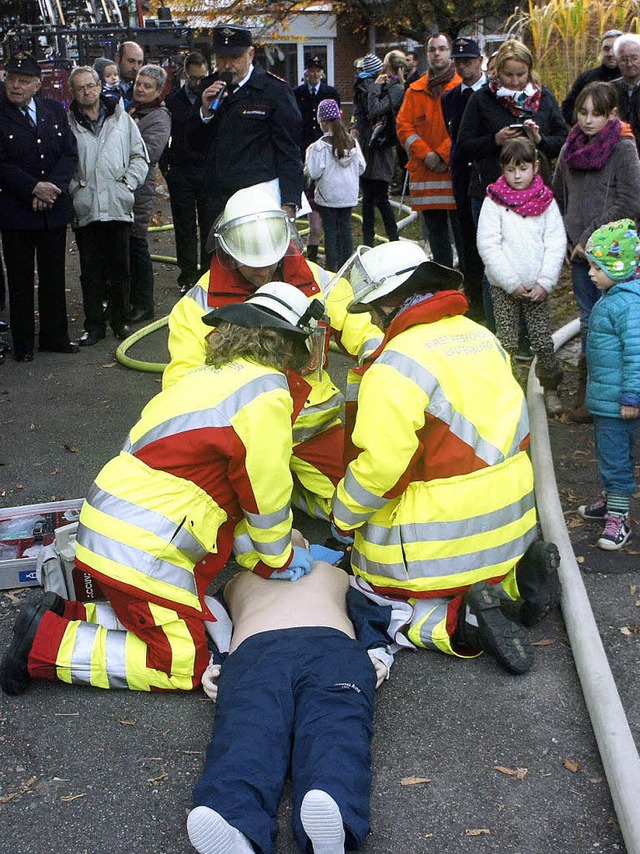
410,141
431,201
522,430
334,402
148,520
242,544
429,532
345,515
117,659
200,297
438,609
80,668
277,547
106,616
440,407
360,495
446,566
141,561
303,434
352,391
369,347
430,185
268,520
211,416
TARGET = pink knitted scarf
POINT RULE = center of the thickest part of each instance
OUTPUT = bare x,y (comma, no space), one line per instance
530,202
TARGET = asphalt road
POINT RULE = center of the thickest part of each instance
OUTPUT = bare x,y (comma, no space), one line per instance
509,763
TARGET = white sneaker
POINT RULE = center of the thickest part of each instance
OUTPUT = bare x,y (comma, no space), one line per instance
209,833
321,819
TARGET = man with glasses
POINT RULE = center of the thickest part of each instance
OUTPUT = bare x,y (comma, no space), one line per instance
112,163
38,157
606,72
627,52
185,176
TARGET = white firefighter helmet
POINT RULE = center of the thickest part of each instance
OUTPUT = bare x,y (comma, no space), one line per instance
374,273
275,305
253,231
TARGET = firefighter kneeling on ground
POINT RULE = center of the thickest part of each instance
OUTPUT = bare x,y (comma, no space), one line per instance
438,489
254,242
206,464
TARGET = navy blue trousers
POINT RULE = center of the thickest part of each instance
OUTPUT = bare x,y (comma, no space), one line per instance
294,699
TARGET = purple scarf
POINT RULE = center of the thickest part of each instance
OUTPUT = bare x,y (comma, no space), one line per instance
530,202
589,153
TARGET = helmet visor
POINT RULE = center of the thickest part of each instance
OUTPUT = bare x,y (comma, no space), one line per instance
255,240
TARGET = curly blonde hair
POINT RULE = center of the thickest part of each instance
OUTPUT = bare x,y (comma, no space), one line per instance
269,347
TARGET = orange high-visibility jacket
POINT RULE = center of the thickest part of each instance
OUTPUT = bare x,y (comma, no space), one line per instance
421,129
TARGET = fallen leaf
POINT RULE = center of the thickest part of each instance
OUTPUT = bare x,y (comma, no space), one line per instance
68,798
478,831
127,722
71,448
580,559
32,428
110,365
19,485
159,778
625,630
414,781
595,780
520,773
633,589
570,765
545,642
9,797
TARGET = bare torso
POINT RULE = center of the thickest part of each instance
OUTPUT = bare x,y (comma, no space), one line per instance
261,605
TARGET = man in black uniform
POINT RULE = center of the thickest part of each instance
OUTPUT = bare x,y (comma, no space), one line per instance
248,130
467,59
38,159
606,72
185,178
308,95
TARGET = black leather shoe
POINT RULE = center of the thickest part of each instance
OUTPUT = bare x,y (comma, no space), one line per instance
136,315
91,337
122,332
24,357
482,625
538,582
14,676
65,347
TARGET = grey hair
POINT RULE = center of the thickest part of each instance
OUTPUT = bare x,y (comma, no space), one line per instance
627,38
84,69
611,34
156,73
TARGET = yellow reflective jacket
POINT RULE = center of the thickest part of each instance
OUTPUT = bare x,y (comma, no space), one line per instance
207,461
354,334
438,487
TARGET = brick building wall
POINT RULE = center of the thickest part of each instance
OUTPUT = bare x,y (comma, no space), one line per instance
349,46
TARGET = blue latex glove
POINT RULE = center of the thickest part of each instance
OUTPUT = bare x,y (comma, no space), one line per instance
300,565
346,539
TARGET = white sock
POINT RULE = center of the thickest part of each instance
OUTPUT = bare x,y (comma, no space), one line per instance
322,822
209,833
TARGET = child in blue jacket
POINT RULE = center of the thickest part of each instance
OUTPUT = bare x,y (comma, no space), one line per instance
613,387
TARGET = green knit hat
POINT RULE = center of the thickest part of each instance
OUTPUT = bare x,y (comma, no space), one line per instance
615,249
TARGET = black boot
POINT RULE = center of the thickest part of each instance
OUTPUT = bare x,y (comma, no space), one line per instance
538,582
14,677
312,253
483,625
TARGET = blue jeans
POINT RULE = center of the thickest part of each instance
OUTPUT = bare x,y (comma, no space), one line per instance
614,450
586,294
312,691
338,239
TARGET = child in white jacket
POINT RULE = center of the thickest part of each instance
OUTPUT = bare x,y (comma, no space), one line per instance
335,162
522,242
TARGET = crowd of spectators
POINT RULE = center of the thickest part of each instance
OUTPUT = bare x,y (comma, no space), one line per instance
212,134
